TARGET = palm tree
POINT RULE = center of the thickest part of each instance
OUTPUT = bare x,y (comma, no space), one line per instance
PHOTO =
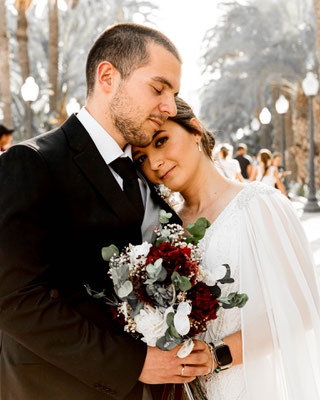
316,5
5,67
23,54
53,53
255,48
22,37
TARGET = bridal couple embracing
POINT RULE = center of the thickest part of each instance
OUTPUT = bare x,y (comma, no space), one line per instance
68,193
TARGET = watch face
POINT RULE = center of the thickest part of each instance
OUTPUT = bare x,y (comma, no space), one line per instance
223,355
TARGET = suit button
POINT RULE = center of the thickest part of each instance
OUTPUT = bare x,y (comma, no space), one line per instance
54,293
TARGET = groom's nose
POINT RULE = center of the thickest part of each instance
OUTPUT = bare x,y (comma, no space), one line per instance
168,106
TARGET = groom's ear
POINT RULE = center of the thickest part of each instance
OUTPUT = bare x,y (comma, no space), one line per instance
107,76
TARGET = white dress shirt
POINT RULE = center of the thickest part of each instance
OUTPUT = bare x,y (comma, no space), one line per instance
107,146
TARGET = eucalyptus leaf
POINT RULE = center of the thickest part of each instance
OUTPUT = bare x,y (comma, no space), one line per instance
215,291
164,217
175,279
125,289
99,295
170,317
162,275
110,251
227,278
166,345
184,284
137,309
174,332
161,239
234,299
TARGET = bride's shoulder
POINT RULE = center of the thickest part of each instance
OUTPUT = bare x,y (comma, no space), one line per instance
254,191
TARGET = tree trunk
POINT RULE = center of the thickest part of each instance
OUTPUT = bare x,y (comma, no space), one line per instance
5,68
23,56
22,38
291,164
301,137
276,146
53,53
316,6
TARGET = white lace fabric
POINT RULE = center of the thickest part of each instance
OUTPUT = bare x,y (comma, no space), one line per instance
259,235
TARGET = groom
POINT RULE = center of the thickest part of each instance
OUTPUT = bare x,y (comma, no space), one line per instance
66,194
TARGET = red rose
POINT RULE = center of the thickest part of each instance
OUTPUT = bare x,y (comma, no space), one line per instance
174,259
204,307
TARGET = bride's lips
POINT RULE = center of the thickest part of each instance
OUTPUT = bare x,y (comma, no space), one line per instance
168,173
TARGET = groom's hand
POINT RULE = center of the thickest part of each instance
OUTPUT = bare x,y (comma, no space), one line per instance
166,367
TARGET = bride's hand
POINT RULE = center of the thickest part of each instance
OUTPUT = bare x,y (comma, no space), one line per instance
166,367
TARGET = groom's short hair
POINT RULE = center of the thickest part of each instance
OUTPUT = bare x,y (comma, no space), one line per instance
125,47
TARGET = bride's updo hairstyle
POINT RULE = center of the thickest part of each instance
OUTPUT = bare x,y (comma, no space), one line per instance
264,156
184,118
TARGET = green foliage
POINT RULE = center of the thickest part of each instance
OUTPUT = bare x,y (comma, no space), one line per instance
197,230
124,289
227,278
234,300
164,217
170,317
110,251
156,272
180,282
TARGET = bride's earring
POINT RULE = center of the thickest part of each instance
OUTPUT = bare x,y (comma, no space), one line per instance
199,147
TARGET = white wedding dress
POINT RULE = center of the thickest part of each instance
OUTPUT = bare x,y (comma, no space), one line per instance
259,235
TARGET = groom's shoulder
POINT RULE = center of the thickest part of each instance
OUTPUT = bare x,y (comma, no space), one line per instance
52,145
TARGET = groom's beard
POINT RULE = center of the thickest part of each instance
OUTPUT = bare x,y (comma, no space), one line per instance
129,120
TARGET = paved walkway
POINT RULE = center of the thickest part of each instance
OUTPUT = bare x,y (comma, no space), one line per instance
311,224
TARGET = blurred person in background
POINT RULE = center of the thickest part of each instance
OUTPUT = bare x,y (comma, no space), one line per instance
228,167
267,173
276,162
244,160
5,138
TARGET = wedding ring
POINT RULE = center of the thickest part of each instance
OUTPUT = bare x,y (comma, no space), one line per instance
182,370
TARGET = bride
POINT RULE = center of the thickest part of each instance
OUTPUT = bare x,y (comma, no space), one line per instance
274,340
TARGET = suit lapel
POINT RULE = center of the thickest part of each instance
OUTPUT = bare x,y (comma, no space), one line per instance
175,219
96,170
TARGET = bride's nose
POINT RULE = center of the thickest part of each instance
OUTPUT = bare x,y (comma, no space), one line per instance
155,163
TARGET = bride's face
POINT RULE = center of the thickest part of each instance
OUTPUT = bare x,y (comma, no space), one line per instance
172,157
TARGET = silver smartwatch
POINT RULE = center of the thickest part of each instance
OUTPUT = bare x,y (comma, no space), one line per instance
222,355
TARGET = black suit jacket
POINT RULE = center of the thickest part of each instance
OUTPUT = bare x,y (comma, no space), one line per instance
59,206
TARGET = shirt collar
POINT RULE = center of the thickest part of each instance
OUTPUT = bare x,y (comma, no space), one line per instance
106,145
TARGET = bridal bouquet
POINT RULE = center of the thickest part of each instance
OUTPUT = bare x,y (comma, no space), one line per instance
163,295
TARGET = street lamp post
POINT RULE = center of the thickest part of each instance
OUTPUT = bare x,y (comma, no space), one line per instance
265,118
310,87
282,106
73,106
29,92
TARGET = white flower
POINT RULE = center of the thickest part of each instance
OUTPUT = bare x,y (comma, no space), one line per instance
151,323
139,253
181,320
186,348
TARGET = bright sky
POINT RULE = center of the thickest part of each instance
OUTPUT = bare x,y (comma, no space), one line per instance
185,23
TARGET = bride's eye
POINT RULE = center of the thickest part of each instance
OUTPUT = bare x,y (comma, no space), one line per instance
161,141
140,160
